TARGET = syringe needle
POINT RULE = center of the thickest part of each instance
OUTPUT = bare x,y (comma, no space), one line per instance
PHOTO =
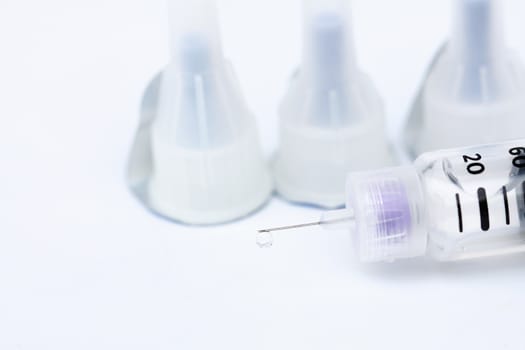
292,227
334,219
330,218
265,237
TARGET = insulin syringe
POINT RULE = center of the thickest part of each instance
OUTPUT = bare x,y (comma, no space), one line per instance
451,205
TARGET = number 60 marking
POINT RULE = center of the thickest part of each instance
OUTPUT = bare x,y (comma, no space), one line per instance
519,161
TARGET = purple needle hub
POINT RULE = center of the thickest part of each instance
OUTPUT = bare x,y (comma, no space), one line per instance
392,209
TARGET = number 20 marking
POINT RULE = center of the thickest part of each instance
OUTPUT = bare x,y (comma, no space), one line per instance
477,167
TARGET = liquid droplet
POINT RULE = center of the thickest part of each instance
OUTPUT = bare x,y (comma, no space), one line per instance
264,239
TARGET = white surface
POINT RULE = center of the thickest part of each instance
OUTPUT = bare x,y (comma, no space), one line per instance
84,266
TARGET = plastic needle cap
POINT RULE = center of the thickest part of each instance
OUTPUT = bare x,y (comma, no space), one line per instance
207,166
332,118
476,44
475,89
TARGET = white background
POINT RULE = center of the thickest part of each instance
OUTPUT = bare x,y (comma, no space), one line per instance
84,266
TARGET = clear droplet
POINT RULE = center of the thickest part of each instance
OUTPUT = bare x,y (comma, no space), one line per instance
264,239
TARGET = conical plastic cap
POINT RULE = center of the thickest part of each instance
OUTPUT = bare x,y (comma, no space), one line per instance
474,91
332,119
206,163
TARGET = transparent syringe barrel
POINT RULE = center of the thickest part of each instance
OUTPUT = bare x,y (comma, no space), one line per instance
474,200
453,204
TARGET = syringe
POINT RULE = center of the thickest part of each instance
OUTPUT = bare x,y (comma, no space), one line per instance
452,204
